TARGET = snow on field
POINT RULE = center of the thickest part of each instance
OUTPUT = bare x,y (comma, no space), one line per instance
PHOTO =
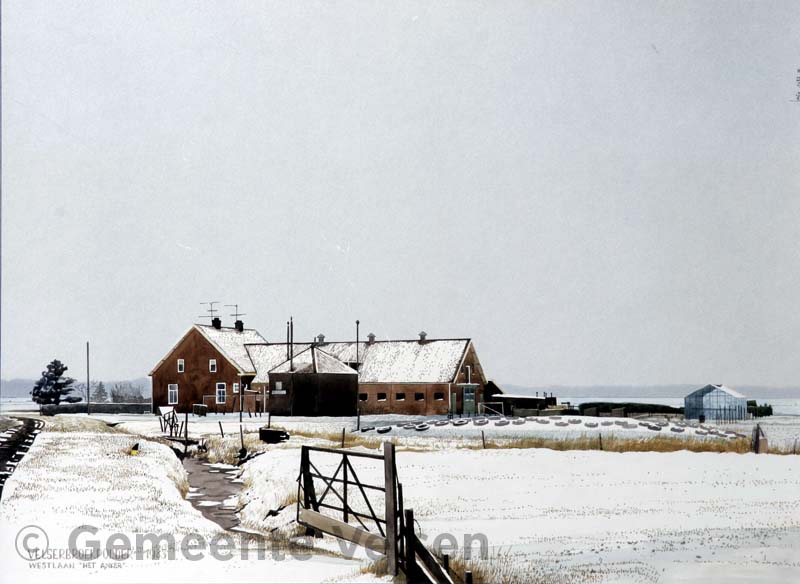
75,478
781,431
586,515
451,433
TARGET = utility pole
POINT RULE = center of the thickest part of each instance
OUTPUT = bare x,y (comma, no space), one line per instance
357,323
88,386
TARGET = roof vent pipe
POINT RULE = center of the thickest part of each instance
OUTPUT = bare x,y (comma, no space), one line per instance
371,338
216,323
239,326
320,338
422,335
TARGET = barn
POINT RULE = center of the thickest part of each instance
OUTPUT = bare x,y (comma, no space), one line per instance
313,383
209,365
715,402
420,376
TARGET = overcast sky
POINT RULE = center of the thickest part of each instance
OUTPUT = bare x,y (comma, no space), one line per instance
595,192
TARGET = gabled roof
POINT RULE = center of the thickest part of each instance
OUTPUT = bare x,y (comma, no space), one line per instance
228,341
314,360
267,356
408,361
711,387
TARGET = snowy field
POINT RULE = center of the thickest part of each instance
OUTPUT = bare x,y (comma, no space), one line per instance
586,516
407,430
548,516
79,477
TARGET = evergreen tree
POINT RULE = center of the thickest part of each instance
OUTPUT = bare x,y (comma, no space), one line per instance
54,387
100,394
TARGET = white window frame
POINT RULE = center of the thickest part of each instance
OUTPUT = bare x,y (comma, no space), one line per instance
221,385
181,365
235,388
170,388
212,365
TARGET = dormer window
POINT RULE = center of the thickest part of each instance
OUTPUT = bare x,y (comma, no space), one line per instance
212,365
181,366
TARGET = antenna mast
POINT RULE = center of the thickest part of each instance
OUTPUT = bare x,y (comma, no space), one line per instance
236,314
212,312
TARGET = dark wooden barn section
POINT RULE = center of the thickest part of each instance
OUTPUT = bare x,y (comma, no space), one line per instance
313,383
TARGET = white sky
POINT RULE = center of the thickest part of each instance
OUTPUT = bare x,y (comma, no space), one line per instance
596,192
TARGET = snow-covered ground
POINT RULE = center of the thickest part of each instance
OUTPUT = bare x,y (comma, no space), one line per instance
585,515
81,477
445,436
548,516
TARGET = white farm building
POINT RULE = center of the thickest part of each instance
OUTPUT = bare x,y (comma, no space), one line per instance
715,402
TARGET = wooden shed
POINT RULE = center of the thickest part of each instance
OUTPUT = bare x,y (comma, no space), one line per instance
313,383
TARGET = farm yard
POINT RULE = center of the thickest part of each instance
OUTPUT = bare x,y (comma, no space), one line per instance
563,513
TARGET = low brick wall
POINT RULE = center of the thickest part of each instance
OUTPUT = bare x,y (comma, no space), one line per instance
100,408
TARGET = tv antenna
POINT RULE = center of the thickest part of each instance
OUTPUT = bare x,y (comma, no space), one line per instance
212,312
236,314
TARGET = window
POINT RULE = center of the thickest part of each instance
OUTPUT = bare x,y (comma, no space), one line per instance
235,388
362,397
438,396
399,397
419,396
221,393
381,397
278,389
172,394
181,366
212,365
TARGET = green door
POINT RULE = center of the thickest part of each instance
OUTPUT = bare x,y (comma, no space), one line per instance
469,398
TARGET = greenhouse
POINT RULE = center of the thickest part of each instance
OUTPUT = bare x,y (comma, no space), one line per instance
715,402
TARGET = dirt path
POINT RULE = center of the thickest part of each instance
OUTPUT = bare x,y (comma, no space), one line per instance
213,492
14,444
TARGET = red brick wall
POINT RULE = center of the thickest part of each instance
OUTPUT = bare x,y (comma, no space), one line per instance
196,381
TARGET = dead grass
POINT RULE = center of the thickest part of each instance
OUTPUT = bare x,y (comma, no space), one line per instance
289,498
378,568
621,444
482,572
226,450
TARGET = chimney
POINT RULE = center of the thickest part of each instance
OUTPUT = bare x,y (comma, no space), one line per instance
216,323
422,336
239,326
321,339
370,338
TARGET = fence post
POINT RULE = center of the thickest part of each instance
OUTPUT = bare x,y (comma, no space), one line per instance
391,506
220,429
342,437
446,562
344,484
467,577
408,537
483,439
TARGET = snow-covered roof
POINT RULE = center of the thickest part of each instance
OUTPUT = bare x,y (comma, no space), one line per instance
231,342
266,357
711,387
228,341
314,360
432,361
